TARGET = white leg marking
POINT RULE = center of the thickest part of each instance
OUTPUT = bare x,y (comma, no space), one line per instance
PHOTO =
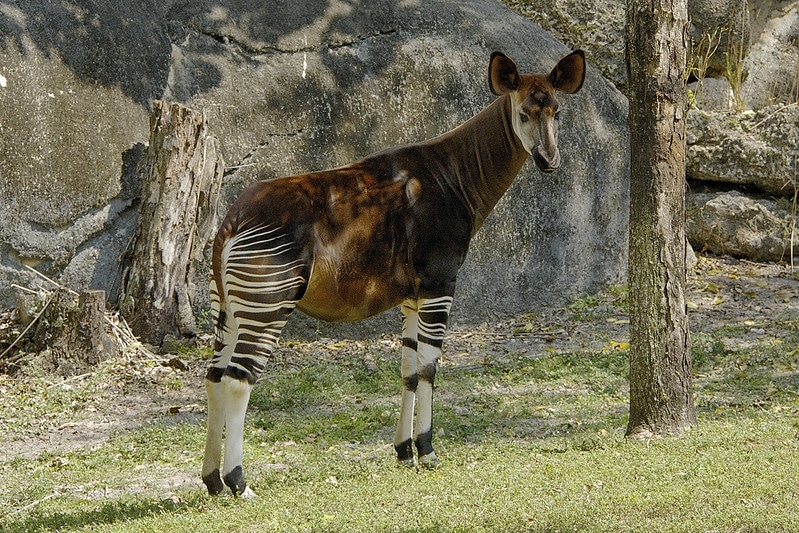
216,422
237,395
433,315
404,432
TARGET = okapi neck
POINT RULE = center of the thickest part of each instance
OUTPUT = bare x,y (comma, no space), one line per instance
480,158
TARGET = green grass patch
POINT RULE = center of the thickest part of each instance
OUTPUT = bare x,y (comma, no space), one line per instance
530,441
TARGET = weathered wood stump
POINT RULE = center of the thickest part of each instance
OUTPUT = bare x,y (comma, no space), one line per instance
71,333
177,217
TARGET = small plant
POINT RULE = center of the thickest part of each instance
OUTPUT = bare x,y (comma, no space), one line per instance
734,60
699,59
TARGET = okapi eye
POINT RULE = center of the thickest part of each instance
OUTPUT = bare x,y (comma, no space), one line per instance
523,117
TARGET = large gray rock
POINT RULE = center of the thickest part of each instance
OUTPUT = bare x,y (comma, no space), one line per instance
730,223
305,85
719,31
754,148
772,65
76,83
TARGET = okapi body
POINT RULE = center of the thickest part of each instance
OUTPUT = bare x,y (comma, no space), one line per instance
347,243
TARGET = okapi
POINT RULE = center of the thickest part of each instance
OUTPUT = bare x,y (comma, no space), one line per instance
348,243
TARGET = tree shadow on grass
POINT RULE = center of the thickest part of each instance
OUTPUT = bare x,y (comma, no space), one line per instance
744,379
105,513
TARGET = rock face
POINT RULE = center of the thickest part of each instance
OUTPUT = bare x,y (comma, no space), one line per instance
759,149
290,87
744,57
76,82
772,64
733,224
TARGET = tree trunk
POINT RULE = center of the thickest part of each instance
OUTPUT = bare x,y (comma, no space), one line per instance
177,216
661,394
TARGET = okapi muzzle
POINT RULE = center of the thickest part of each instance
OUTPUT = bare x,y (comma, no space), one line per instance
392,229
534,103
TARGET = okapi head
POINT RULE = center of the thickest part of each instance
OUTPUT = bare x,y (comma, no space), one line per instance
534,101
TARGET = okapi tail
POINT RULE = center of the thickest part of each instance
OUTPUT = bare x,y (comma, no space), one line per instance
225,233
217,283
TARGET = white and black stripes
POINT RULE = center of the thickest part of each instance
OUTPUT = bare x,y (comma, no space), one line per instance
424,325
263,279
433,318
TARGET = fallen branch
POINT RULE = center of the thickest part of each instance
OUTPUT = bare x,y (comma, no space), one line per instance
32,504
29,326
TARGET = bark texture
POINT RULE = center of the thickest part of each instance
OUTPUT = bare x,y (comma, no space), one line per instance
177,217
71,334
661,396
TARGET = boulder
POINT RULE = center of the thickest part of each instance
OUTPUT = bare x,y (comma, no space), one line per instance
597,26
323,93
75,84
729,223
772,65
719,31
759,148
712,94
291,87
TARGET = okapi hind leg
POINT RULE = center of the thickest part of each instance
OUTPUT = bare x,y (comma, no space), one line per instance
237,396
212,462
256,341
264,276
223,349
246,365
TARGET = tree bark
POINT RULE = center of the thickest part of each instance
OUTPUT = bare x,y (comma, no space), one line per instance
71,333
177,217
661,392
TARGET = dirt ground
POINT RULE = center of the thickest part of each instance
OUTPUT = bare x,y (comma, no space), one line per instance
748,299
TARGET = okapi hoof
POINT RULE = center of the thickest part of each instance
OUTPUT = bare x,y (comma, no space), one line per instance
405,454
429,461
407,463
213,482
235,480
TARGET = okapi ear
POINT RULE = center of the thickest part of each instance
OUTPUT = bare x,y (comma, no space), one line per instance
569,74
503,75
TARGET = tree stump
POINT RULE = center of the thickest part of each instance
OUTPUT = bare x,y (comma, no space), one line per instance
177,217
71,333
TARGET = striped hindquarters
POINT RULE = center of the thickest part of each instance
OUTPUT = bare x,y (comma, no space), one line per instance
263,276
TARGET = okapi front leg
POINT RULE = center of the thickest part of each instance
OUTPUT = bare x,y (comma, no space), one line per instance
432,324
403,438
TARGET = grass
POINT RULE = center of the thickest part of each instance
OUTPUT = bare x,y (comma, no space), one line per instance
531,440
